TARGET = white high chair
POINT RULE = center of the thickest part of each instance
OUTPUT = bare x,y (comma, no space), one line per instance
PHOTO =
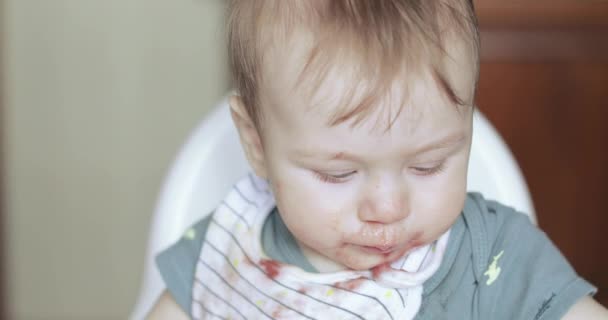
212,160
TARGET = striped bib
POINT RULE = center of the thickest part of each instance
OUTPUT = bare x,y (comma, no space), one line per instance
235,279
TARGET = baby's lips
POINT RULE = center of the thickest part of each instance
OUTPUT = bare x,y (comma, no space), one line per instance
377,235
380,245
382,248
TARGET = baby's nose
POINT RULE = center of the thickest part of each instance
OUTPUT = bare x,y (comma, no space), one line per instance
385,204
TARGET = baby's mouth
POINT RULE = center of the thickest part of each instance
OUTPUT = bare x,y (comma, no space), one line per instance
383,250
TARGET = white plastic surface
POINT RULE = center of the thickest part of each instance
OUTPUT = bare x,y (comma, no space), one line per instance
212,160
493,170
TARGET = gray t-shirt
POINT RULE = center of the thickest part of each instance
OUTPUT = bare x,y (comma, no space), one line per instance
497,266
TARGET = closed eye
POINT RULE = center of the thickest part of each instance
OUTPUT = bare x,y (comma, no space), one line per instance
428,171
333,178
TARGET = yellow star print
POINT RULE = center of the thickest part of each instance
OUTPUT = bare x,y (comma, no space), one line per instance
190,234
493,270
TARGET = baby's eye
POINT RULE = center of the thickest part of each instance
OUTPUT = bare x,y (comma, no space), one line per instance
431,170
333,178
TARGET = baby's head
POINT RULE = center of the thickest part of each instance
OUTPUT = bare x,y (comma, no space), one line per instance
359,113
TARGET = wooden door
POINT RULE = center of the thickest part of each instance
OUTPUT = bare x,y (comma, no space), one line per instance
544,85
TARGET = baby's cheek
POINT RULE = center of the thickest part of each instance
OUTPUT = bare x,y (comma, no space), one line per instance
276,186
347,257
334,224
318,238
343,257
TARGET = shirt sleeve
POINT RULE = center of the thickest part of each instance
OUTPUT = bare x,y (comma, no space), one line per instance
527,276
177,264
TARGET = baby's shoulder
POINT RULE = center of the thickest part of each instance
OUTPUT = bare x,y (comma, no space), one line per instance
177,263
517,264
495,229
494,219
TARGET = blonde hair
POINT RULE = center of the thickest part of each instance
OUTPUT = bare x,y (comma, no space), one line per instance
384,39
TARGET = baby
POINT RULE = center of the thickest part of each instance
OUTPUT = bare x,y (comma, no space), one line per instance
356,117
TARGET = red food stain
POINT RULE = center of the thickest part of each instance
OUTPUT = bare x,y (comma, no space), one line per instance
416,240
271,267
379,269
350,284
416,244
277,313
303,290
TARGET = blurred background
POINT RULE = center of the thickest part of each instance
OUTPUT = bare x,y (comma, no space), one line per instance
97,96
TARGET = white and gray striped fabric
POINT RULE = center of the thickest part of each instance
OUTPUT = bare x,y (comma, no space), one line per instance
234,279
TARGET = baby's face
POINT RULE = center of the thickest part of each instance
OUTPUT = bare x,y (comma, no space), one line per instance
363,196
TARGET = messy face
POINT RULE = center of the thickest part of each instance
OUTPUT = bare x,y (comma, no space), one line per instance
360,196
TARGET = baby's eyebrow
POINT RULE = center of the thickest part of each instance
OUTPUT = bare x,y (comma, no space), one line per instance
303,153
450,141
323,154
443,143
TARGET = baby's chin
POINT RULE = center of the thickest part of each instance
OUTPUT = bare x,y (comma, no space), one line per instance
364,262
344,261
367,265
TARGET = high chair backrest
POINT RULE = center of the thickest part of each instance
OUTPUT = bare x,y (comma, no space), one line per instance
212,160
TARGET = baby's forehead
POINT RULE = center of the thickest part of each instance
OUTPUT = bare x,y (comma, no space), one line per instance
346,87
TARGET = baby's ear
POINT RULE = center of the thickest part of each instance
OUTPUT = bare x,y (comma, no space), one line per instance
249,135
